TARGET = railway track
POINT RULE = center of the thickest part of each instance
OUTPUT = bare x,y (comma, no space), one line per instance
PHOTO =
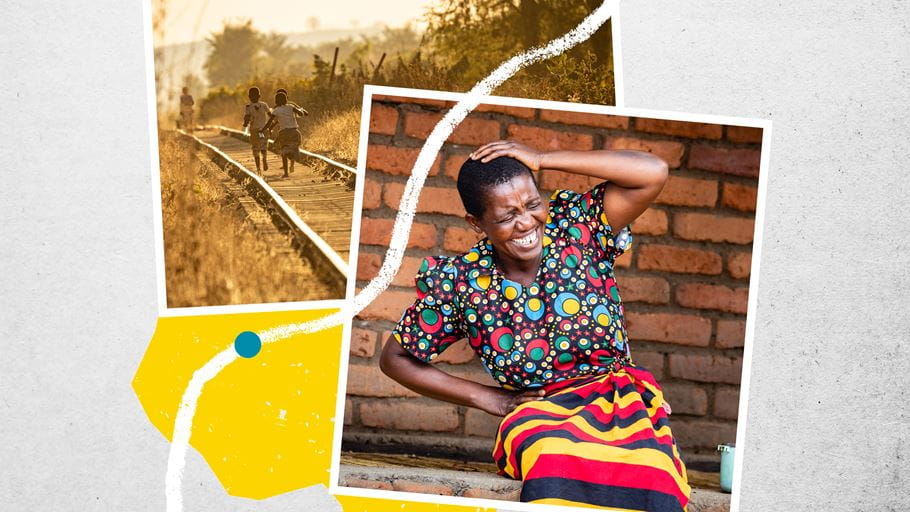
313,209
345,172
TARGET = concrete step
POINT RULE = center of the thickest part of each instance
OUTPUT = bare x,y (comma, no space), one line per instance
429,475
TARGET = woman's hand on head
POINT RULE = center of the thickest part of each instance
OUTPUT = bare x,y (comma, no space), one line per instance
501,402
524,154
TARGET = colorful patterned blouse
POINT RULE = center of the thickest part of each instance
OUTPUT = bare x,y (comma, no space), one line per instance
567,323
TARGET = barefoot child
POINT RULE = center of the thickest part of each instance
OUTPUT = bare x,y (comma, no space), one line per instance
288,140
255,115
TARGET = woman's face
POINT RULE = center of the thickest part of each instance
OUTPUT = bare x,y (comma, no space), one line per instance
514,219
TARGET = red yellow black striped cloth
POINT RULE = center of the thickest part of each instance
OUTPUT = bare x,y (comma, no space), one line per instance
597,442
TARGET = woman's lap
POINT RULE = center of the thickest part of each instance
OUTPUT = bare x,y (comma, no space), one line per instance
605,441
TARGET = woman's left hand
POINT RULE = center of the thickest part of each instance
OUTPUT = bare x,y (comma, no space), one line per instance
524,154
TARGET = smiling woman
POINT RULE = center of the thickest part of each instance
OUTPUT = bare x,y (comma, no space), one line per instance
525,301
537,300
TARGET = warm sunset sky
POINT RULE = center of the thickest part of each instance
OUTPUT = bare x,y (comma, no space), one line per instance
195,19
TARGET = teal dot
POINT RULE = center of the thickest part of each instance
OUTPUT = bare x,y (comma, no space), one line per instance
247,344
429,316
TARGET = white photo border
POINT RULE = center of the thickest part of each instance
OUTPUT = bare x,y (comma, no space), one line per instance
368,92
158,226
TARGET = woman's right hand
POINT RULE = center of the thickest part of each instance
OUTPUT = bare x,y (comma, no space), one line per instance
500,402
524,154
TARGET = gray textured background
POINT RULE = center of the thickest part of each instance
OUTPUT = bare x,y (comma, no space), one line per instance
828,426
827,421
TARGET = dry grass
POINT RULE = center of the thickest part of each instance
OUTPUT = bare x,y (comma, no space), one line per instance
213,256
335,135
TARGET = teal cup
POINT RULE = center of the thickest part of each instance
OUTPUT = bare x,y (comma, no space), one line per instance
727,455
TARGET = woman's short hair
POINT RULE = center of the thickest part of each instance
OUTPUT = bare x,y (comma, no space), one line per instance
476,178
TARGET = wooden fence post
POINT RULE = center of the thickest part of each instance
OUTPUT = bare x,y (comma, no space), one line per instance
334,62
376,69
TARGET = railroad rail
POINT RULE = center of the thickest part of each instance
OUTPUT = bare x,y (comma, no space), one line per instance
325,259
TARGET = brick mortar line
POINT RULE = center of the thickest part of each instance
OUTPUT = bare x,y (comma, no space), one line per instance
444,181
404,107
602,132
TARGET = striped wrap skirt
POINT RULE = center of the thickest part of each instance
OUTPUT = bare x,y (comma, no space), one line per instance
600,441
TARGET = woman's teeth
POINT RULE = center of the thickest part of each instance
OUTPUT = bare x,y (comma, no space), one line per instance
526,241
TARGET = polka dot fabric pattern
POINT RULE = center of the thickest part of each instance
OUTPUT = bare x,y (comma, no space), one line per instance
568,323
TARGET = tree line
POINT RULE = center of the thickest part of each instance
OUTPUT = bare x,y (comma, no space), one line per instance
462,42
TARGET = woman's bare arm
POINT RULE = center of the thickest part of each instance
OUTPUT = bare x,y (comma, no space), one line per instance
424,378
635,177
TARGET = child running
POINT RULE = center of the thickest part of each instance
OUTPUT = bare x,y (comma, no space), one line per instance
255,115
186,110
288,140
291,103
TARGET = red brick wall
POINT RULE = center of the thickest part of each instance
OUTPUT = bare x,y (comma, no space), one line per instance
685,283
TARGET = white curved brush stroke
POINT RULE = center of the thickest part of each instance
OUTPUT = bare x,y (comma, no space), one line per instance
187,409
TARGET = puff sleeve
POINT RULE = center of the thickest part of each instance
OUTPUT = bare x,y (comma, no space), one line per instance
582,218
434,321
